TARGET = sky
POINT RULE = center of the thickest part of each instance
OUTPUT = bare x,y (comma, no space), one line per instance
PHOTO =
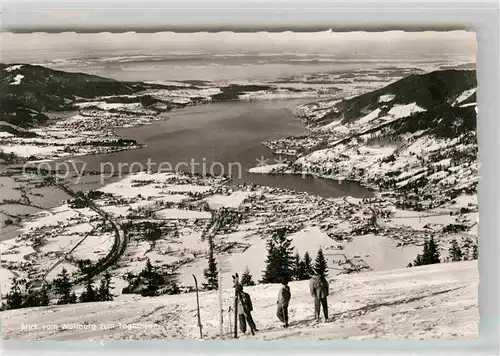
154,24
188,15
339,45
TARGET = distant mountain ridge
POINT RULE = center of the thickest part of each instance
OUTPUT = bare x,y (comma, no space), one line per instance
428,91
28,91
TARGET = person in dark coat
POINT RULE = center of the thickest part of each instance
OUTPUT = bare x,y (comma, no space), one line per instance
245,309
318,286
284,296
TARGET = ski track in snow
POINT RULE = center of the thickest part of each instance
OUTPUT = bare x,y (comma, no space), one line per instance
429,302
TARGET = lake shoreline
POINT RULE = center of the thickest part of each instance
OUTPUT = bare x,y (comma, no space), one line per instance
94,179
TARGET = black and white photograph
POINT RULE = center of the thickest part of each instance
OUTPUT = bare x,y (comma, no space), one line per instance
249,185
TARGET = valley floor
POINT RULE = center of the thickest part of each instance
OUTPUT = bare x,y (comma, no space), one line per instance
430,302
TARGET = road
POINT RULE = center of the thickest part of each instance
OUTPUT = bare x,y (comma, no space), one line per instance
120,242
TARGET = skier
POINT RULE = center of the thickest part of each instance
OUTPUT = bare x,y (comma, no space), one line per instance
318,285
245,309
283,301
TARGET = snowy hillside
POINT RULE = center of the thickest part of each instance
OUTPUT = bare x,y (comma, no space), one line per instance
437,301
415,137
46,114
423,90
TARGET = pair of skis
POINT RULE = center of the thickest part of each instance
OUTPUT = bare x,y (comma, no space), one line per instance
236,297
236,282
221,321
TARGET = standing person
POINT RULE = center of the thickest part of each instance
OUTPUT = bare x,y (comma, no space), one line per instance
245,309
284,296
318,285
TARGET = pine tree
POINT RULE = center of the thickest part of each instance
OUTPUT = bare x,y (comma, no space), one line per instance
15,297
85,266
416,262
285,261
279,262
432,255
419,261
429,256
308,268
211,274
73,298
246,278
63,287
44,295
303,269
270,274
455,251
320,265
104,291
31,298
467,248
298,268
89,294
152,280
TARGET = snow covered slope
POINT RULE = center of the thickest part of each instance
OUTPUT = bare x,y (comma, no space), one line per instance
415,137
429,302
426,91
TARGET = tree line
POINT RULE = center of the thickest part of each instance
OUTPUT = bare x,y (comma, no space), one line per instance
149,282
281,262
25,295
465,251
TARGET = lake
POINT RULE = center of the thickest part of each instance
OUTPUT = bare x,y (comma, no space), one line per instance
221,138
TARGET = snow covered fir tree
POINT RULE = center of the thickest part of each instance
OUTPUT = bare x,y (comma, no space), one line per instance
351,156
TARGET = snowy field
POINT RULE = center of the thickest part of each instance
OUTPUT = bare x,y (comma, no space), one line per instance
429,302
